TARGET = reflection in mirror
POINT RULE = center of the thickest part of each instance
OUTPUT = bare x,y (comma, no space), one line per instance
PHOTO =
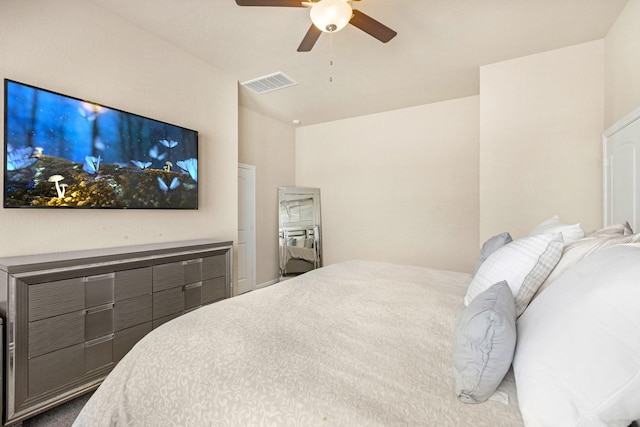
300,243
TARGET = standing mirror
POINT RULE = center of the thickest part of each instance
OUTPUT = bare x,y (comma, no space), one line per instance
300,242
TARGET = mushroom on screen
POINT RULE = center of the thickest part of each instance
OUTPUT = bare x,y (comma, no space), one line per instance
57,179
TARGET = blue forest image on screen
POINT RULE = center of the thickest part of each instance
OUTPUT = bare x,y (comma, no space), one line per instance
61,151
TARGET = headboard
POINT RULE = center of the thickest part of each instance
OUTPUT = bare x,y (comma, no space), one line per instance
621,171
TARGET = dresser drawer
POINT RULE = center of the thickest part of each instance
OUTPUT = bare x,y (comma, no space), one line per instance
98,353
168,302
168,276
125,340
98,322
214,266
55,369
98,290
214,289
132,311
54,298
54,333
133,283
192,270
192,295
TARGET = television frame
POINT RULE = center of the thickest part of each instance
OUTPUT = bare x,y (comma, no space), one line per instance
74,153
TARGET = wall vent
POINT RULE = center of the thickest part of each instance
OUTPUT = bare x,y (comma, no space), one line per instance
269,83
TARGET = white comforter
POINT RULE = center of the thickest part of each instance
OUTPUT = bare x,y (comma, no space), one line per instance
352,344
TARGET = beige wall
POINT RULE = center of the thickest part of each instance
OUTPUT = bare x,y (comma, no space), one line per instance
268,145
540,140
622,65
74,47
400,186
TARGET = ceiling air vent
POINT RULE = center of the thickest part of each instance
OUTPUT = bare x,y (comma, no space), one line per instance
269,83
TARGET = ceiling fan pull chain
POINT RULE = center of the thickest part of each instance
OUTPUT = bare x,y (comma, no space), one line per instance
330,57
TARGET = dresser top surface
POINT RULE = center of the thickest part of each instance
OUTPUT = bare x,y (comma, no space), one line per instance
23,263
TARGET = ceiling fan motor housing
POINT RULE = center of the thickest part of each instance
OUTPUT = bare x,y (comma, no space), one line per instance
331,15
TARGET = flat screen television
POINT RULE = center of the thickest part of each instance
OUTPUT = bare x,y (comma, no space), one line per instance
65,152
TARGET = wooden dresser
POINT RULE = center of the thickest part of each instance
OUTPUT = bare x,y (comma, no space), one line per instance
70,317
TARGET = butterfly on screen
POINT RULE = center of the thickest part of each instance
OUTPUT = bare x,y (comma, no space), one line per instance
163,186
91,164
155,154
189,166
19,158
169,143
141,165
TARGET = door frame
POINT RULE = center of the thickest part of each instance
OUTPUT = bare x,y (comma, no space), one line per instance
251,256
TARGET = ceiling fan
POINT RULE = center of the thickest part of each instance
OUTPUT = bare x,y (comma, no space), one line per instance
329,16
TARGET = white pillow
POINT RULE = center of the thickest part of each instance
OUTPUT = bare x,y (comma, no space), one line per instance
570,232
577,358
578,250
524,264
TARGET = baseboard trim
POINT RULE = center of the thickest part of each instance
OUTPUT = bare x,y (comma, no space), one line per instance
265,284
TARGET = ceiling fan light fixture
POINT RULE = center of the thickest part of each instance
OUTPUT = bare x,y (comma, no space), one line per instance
331,15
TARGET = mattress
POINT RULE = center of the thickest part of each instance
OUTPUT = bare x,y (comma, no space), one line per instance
353,344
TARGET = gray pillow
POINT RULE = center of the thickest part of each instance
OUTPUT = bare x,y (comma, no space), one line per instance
490,246
484,343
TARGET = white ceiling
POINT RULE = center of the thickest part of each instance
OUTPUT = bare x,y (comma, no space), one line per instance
436,55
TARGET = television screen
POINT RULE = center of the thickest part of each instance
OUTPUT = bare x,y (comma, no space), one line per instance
62,151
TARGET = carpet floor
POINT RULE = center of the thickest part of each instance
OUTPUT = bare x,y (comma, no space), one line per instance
60,416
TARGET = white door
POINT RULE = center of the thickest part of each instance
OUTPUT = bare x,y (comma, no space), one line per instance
246,228
622,172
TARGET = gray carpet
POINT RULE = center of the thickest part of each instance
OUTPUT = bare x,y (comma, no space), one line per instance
60,416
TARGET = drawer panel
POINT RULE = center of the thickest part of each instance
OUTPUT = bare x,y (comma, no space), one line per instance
132,283
98,290
214,266
192,271
214,290
165,319
55,333
98,353
168,302
168,276
98,322
132,311
192,295
125,340
55,369
54,298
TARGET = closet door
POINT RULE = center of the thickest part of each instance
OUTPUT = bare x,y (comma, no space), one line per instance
621,172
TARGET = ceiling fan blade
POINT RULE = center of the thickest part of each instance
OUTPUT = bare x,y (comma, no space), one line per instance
309,39
372,27
279,3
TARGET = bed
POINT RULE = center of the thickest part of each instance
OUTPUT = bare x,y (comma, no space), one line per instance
356,343
365,343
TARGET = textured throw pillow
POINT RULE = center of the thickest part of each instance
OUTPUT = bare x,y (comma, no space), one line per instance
570,232
490,246
524,264
610,230
484,344
577,357
583,248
